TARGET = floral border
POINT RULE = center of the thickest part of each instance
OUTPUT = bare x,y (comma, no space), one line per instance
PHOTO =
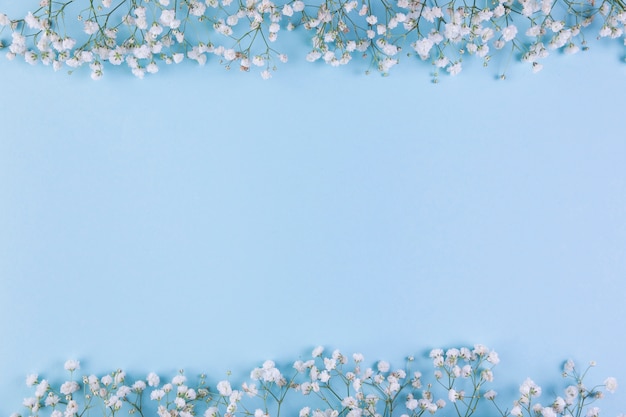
142,35
332,385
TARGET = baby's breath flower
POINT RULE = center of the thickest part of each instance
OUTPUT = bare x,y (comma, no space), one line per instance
317,351
224,388
383,366
69,387
157,394
72,365
31,380
610,384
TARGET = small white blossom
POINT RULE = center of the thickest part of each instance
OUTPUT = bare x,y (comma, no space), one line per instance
509,33
69,387
610,384
383,366
224,388
31,380
317,351
72,365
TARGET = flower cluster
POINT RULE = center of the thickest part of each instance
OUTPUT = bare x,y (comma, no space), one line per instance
333,385
577,397
142,35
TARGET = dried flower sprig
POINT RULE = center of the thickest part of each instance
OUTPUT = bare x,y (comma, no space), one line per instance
322,386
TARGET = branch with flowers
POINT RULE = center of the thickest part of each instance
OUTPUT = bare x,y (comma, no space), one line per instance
333,385
143,35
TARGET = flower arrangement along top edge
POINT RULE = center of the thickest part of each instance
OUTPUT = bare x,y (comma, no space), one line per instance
144,35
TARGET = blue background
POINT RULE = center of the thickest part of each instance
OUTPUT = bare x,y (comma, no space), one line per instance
210,220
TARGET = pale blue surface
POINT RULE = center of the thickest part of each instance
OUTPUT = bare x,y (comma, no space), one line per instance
210,220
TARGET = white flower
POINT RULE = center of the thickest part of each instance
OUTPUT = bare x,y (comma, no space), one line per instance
69,387
454,69
90,27
350,402
157,394
571,392
31,403
452,395
71,408
499,11
251,390
224,388
330,363
610,384
516,411
196,8
411,404
530,389
31,380
593,412
33,22
435,353
152,68
52,400
509,33
42,388
142,52
559,405
492,357
168,18
68,43
535,31
116,56
383,366
230,54
571,49
298,6
605,31
114,402
179,402
211,412
179,380
287,10
124,390
371,19
258,61
72,365
557,26
153,379
423,47
431,13
440,63
4,20
317,351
